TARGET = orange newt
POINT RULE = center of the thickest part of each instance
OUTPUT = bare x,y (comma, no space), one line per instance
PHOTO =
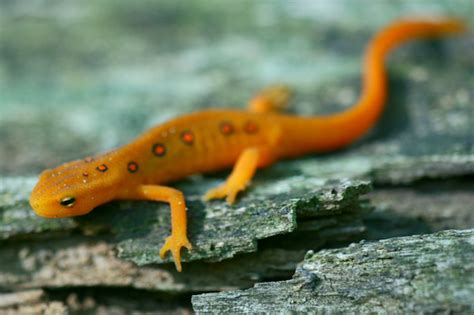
216,139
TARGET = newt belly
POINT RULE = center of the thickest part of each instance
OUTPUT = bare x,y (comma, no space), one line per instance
216,139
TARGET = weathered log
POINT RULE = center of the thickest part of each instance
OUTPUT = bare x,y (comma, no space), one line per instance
415,274
39,252
78,78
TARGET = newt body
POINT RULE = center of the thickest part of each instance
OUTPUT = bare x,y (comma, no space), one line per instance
216,139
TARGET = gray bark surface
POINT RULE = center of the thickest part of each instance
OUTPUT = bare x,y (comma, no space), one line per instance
415,274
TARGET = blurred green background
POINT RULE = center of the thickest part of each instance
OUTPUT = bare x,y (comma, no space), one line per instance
80,77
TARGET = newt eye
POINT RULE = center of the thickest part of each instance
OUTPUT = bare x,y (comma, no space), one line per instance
68,201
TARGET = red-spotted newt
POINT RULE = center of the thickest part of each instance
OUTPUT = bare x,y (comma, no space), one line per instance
215,139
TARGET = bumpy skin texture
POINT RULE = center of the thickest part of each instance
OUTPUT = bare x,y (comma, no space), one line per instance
216,139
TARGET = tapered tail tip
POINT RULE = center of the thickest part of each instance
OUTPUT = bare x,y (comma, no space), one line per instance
456,25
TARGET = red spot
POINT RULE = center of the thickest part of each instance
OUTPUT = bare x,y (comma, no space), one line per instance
158,149
132,167
226,128
187,137
251,127
85,174
102,168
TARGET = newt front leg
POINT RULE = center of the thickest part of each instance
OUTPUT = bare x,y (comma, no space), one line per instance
175,198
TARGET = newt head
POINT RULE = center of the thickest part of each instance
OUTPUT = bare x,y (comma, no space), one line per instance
73,189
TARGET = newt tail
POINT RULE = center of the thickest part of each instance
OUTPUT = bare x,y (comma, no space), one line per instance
215,139
327,133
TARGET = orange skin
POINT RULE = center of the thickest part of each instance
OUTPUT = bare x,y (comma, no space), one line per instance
216,139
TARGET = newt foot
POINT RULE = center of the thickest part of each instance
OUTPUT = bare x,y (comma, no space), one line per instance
224,191
174,245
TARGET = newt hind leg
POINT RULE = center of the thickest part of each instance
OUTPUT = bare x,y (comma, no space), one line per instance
274,98
248,162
